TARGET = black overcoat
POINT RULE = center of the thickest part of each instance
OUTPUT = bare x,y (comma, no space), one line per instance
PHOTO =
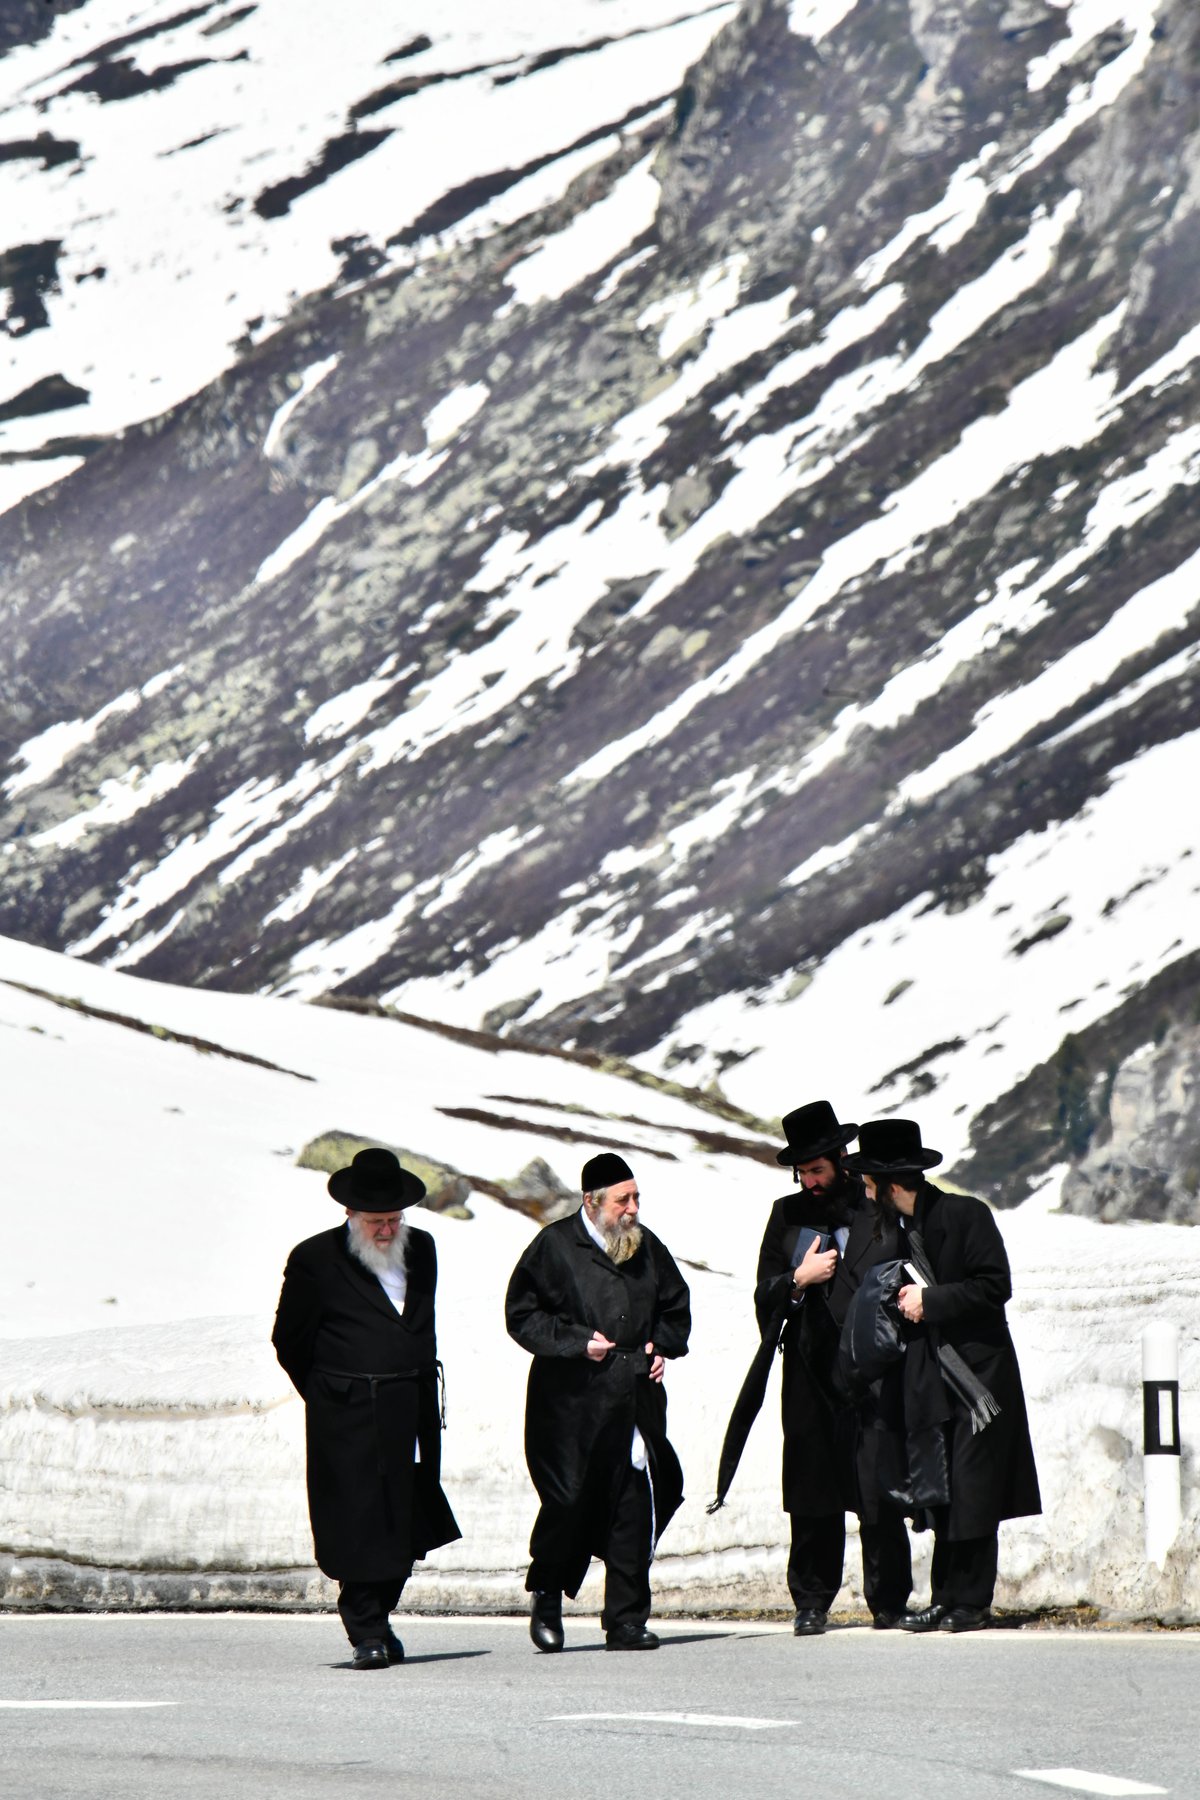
374,1508
579,1414
992,1473
824,1446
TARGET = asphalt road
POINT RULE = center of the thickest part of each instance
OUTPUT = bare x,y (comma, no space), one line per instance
264,1706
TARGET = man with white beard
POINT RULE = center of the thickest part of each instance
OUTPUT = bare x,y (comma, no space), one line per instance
355,1333
598,1302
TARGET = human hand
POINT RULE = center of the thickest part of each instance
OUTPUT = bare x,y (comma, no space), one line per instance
911,1304
815,1266
599,1346
657,1365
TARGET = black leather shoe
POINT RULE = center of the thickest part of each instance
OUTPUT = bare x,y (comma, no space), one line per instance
809,1622
545,1621
965,1618
393,1646
890,1621
370,1655
928,1619
630,1637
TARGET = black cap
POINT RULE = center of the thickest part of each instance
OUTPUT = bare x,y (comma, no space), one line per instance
604,1170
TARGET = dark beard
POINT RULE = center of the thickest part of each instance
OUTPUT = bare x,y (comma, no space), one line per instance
835,1207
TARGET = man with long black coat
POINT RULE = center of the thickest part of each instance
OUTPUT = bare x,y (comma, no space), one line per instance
599,1303
819,1242
975,1477
355,1333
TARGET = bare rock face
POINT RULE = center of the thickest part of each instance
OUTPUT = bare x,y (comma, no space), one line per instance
1148,1164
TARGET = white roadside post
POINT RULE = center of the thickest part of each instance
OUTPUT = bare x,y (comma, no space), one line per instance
1160,1438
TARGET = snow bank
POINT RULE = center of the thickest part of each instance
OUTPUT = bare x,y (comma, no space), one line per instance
181,1447
145,1426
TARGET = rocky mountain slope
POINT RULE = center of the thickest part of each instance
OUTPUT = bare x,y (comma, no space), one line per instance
732,602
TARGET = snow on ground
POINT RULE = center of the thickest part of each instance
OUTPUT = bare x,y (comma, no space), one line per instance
176,223
590,242
978,965
144,1422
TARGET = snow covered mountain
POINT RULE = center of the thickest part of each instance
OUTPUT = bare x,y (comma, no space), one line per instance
709,571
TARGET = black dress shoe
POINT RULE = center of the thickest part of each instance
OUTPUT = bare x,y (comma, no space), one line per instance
393,1646
928,1619
630,1637
545,1621
965,1618
890,1621
371,1655
809,1622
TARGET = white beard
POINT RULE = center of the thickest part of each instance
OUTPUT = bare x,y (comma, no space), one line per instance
378,1260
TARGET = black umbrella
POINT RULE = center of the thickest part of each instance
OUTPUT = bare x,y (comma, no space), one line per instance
747,1407
748,1404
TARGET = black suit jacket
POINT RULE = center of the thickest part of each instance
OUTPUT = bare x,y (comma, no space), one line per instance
579,1414
334,1314
993,1475
818,1429
374,1507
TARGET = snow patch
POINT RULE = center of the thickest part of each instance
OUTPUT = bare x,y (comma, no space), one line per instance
457,409
1059,404
815,19
122,798
590,241
45,754
311,379
340,714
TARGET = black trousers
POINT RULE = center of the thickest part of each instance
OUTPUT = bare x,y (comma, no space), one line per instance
818,1552
964,1569
555,1566
887,1562
364,1606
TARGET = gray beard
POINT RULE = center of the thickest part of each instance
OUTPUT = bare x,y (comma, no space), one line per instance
379,1262
619,1243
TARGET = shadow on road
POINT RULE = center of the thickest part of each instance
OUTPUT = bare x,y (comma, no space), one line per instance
410,1661
665,1643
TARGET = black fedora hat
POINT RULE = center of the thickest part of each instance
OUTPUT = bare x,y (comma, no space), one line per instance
375,1182
813,1131
887,1146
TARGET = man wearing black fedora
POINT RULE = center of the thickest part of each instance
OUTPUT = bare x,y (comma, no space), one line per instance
819,1242
966,1455
355,1333
599,1303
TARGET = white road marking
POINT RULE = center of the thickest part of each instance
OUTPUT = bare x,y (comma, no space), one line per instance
81,1705
1085,1782
665,1718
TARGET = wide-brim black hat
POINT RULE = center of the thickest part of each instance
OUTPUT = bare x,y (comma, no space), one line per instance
811,1131
376,1182
890,1146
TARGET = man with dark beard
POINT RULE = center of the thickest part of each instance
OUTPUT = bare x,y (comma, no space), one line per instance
355,1333
819,1242
599,1303
966,1454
